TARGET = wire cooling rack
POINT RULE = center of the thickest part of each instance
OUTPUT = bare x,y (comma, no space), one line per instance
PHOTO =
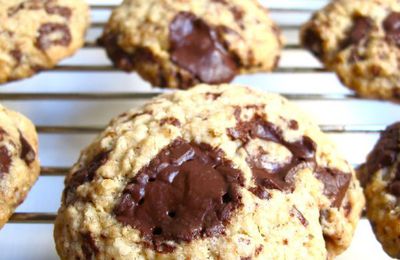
73,102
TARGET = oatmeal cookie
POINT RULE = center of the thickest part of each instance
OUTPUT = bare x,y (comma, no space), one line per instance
177,44
19,163
36,34
360,41
245,175
381,176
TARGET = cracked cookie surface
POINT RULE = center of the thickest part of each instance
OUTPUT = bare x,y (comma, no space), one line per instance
243,176
36,34
19,163
359,40
177,44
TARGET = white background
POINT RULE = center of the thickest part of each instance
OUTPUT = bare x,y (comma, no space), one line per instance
34,241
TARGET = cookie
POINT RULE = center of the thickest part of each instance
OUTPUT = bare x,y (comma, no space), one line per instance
245,175
19,163
360,41
177,44
381,176
36,34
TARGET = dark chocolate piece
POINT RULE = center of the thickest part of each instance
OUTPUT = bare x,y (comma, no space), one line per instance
361,28
335,182
294,212
384,153
27,153
84,174
281,176
313,42
391,25
188,191
47,32
5,161
195,46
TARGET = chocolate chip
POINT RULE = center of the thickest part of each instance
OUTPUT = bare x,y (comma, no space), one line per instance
5,161
384,153
361,28
89,246
391,25
193,194
50,34
84,174
17,55
313,42
335,183
58,10
170,121
195,46
27,153
294,125
394,188
259,249
237,13
294,212
281,176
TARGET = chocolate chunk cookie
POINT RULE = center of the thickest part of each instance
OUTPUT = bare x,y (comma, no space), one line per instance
36,34
381,176
243,176
177,44
360,41
19,163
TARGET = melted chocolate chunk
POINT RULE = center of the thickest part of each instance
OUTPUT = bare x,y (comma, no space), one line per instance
281,176
187,191
313,42
361,28
195,46
50,34
27,153
5,161
391,25
85,174
384,153
335,182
